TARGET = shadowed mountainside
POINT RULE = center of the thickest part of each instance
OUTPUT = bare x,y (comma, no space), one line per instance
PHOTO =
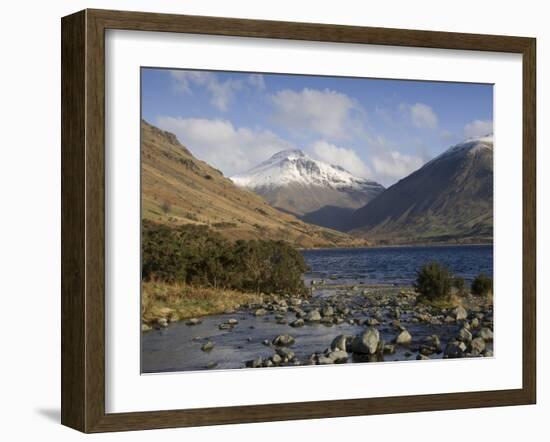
450,199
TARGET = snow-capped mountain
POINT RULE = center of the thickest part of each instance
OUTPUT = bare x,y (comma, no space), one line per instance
295,167
468,147
292,181
450,197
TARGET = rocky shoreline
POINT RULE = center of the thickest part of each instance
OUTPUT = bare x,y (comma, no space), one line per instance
388,324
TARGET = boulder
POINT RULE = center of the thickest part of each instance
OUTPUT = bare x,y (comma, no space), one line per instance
338,356
486,333
285,353
460,313
193,321
432,344
232,321
277,359
324,360
327,310
297,323
161,323
421,357
464,335
282,303
403,338
283,340
455,349
207,346
260,312
478,345
313,316
340,342
366,342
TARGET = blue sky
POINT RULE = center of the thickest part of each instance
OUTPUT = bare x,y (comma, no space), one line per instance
378,129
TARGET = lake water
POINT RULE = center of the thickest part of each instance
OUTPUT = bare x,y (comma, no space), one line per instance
395,265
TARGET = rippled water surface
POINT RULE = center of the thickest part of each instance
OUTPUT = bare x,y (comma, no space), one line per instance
395,265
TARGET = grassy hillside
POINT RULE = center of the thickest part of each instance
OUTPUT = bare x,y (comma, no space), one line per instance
177,188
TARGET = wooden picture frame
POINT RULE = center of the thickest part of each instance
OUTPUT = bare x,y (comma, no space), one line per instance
83,219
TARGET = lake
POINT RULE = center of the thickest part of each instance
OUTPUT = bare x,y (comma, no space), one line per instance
395,265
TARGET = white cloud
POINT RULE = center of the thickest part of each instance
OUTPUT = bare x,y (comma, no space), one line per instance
392,165
421,115
221,93
341,156
478,128
447,136
257,80
325,112
222,145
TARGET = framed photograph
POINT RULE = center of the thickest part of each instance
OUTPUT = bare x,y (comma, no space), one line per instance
267,220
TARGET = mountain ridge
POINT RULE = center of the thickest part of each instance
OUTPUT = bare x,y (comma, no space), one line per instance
449,199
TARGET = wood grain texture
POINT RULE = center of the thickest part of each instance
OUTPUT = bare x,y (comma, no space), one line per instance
73,252
529,220
83,219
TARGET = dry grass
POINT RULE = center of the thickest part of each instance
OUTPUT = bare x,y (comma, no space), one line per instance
447,302
468,301
180,301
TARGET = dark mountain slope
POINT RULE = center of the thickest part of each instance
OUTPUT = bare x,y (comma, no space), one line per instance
450,199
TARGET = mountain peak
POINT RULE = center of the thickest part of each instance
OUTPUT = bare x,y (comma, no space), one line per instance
469,146
288,154
293,166
296,183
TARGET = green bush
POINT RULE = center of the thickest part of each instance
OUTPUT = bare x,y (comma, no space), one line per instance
482,285
268,267
458,283
433,281
199,256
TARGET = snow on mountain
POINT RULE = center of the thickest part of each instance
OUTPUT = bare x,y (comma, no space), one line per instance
469,146
291,167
